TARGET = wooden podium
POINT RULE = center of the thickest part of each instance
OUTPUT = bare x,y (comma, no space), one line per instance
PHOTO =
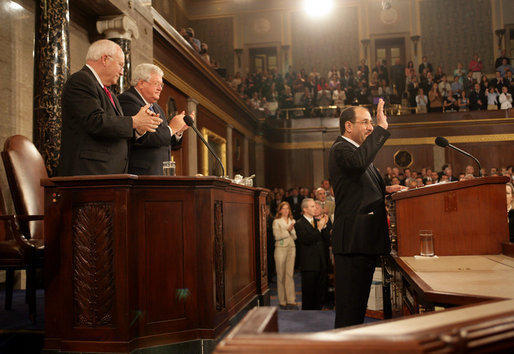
133,262
466,218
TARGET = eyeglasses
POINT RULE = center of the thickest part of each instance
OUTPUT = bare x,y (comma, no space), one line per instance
366,122
121,64
156,83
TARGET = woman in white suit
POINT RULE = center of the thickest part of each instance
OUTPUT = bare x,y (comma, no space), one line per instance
285,253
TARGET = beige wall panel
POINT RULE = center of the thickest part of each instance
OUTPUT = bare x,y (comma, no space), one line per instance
452,31
79,43
394,20
323,43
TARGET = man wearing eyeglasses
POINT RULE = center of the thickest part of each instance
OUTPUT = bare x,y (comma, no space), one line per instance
95,130
149,151
360,233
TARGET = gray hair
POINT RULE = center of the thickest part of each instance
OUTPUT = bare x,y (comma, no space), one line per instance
305,201
101,47
144,71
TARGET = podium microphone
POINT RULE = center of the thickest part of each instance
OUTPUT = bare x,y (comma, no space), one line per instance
190,123
443,142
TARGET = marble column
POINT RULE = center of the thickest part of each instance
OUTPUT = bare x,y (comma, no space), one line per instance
191,141
51,70
230,155
120,30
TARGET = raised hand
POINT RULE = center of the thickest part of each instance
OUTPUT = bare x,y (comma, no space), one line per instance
381,117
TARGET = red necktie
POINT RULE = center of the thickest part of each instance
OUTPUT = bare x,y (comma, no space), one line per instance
110,96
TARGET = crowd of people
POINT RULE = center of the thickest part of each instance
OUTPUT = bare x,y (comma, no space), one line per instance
422,90
201,48
286,207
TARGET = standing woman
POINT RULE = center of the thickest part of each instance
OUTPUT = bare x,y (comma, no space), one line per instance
285,253
510,210
435,99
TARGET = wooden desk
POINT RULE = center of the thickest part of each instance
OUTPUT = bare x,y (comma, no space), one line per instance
133,262
481,328
487,276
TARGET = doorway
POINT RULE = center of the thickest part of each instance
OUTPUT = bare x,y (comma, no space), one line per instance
263,59
390,49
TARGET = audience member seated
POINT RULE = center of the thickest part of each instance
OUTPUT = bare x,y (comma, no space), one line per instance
204,55
456,86
339,96
449,103
195,41
504,67
463,102
499,60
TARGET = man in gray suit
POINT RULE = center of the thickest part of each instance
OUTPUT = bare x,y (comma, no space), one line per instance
360,231
95,132
148,153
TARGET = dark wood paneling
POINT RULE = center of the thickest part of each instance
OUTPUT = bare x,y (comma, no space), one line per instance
163,263
466,218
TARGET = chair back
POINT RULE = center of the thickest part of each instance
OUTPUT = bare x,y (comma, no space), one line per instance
4,225
24,167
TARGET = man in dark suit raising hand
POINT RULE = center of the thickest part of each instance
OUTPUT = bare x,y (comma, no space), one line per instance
360,232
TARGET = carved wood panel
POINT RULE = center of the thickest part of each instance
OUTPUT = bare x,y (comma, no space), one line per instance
219,255
263,241
93,273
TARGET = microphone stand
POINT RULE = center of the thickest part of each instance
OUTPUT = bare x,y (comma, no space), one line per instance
469,155
190,123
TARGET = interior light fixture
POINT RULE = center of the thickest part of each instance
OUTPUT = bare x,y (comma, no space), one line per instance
14,6
317,8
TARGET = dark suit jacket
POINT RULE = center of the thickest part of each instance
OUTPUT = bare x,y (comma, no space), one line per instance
148,152
360,221
311,241
473,100
95,138
296,209
422,66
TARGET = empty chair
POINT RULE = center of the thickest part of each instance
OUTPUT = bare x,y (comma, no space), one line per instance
24,167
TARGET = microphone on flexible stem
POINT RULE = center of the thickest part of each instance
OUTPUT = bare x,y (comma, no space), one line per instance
443,142
190,123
